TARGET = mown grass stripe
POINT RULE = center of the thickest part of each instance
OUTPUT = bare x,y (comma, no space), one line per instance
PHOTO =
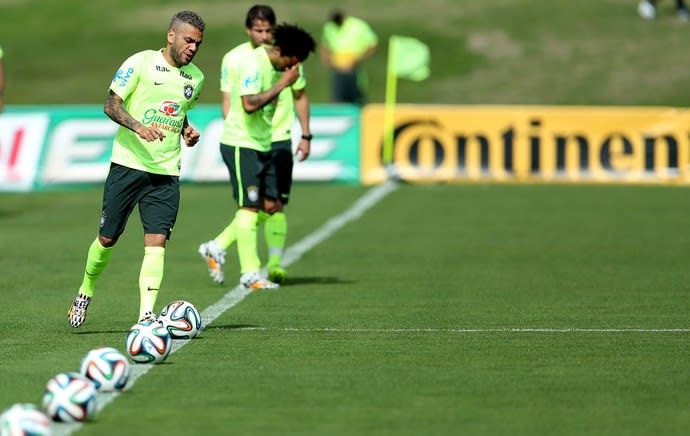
237,294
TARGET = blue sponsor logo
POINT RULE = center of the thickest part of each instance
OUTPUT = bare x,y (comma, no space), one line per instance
122,77
248,81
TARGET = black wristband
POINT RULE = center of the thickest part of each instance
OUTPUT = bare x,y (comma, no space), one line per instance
308,137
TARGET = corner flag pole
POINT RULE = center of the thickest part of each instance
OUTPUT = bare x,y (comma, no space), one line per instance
388,122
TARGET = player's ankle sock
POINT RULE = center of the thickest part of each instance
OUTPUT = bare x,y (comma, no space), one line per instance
150,278
96,261
247,224
275,232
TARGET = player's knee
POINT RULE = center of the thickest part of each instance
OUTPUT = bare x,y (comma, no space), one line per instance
155,240
106,242
280,206
270,206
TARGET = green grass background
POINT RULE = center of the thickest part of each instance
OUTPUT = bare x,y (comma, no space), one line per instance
438,257
426,257
497,52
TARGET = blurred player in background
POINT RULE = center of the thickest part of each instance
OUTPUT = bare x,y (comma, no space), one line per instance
2,82
647,9
346,42
247,136
149,98
259,25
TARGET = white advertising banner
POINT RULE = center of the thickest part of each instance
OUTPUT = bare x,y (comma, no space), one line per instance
21,143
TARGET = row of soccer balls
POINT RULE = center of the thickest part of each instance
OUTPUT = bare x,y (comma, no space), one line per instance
71,396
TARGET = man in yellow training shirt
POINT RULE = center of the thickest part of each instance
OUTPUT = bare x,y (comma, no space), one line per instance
346,43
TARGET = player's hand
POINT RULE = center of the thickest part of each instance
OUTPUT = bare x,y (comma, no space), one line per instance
290,75
190,136
150,133
303,150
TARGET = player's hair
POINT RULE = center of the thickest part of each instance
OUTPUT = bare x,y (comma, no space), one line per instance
338,16
261,13
293,41
189,17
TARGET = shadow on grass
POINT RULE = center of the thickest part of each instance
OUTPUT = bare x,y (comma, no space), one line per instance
232,327
316,281
99,332
163,363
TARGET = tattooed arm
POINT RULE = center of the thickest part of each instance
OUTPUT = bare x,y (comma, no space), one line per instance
113,108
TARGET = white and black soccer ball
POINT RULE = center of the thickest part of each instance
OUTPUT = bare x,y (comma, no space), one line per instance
181,319
70,397
646,10
148,342
107,368
23,419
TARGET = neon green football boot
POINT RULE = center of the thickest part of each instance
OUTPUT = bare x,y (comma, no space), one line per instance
277,274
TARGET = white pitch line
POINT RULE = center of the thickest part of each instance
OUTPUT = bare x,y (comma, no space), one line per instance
468,330
237,294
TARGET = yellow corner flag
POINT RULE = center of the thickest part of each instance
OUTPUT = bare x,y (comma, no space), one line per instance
408,58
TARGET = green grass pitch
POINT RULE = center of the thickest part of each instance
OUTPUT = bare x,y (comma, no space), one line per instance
444,309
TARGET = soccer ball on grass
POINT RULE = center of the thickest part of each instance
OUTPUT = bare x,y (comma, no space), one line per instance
148,342
70,397
24,419
181,319
107,368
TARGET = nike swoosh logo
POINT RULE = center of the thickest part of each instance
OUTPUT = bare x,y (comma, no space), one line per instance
152,289
158,83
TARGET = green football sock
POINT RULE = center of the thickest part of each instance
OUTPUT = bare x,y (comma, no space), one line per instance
247,224
263,216
96,261
228,236
275,232
150,278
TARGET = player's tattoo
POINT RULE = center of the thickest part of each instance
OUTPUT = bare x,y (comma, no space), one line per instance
113,108
257,101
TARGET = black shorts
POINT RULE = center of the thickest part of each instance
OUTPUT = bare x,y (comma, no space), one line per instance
281,155
346,88
252,175
157,195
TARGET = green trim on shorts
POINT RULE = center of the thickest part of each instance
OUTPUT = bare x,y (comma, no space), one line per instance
238,174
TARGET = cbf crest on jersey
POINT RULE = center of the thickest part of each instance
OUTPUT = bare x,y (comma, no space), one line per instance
253,193
188,90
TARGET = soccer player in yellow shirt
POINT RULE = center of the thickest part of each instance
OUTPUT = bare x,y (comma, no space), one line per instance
259,25
346,43
149,98
246,141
